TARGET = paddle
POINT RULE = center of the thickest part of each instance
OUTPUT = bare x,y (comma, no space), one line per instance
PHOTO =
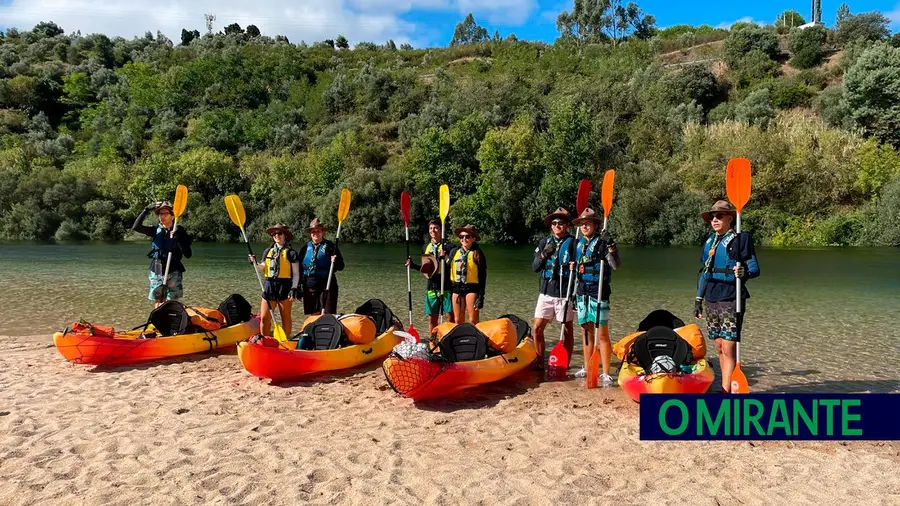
343,210
444,208
737,185
181,195
236,212
606,198
404,211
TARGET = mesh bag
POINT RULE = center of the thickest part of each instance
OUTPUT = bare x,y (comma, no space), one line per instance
411,367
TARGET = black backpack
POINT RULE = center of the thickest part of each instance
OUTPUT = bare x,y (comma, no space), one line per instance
170,319
523,330
658,341
382,315
236,309
660,318
463,343
325,333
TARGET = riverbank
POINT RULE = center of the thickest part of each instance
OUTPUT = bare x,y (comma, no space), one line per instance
201,430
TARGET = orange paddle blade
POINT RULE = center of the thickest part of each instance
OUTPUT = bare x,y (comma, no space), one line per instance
593,369
558,363
739,383
606,191
737,182
584,193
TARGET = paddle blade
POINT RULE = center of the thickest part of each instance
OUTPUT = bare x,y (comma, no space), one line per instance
593,369
737,182
444,200
344,206
606,191
739,383
584,193
180,203
413,332
404,209
235,210
558,363
277,331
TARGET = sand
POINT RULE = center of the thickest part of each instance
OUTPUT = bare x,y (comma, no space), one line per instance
202,431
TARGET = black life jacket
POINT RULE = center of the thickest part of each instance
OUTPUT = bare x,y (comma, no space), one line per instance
657,341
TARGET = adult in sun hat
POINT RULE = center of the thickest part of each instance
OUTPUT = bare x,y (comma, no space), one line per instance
592,247
468,275
716,289
316,257
165,239
281,269
435,262
553,258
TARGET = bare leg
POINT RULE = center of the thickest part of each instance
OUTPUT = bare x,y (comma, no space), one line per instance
284,308
605,347
471,309
538,330
265,319
726,351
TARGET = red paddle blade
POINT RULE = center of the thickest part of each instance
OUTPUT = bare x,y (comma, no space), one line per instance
584,193
413,332
737,182
606,191
558,363
404,208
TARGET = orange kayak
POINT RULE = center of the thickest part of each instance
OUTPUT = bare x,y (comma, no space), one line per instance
285,362
633,380
129,348
425,374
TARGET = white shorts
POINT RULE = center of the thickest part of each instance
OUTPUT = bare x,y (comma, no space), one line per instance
552,307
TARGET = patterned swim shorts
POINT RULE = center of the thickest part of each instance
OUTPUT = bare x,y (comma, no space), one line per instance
723,322
174,283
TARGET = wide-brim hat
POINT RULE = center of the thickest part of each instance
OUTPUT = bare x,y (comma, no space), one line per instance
164,205
283,228
588,215
560,212
314,224
469,229
429,266
721,206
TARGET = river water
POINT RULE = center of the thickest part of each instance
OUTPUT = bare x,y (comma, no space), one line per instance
818,320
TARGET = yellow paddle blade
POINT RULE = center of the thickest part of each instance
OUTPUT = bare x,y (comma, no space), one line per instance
180,200
737,182
344,206
277,331
606,191
444,196
236,210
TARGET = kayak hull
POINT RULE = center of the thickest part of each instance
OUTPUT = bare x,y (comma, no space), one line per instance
283,363
420,379
125,348
633,380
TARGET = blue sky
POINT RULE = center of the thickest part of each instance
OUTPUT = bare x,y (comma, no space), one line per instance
420,22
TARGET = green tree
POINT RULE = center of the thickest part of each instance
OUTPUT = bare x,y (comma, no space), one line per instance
341,42
806,44
253,31
788,20
872,91
469,32
740,43
869,26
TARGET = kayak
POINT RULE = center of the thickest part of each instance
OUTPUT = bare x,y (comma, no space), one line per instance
284,361
129,347
694,376
424,374
635,382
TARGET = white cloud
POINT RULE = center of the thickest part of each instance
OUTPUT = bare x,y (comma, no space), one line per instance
309,20
894,16
745,19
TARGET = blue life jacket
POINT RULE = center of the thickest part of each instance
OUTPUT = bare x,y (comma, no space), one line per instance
162,244
717,264
316,263
588,268
559,259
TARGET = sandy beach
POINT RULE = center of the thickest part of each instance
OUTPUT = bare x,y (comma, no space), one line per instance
201,430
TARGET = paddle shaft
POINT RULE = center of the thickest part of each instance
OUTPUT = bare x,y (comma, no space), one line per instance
337,238
165,283
441,270
408,282
250,250
600,286
562,330
737,299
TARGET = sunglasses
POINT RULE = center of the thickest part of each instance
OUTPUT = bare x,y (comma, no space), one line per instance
465,236
558,223
277,233
719,216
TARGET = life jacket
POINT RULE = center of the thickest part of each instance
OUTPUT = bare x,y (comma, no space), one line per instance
561,257
465,270
161,244
660,341
588,269
236,309
206,318
316,263
717,263
435,250
280,269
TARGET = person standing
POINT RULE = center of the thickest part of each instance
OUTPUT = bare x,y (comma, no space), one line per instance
468,273
281,270
435,263
316,258
165,239
553,259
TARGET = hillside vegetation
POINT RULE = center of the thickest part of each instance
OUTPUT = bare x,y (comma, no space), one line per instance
92,129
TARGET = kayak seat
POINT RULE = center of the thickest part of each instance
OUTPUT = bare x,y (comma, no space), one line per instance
170,318
381,314
463,343
656,342
324,333
236,309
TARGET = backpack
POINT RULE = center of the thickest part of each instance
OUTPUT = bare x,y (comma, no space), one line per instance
463,343
236,309
523,330
324,333
656,342
206,318
382,315
660,317
170,318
